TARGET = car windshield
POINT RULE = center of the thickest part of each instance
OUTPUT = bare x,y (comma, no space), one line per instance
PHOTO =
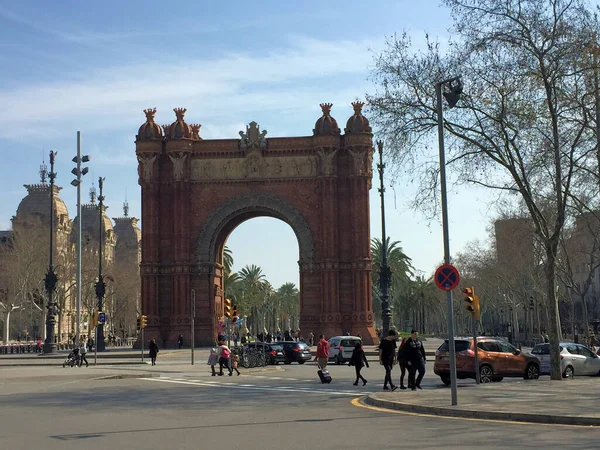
541,349
276,347
303,346
460,346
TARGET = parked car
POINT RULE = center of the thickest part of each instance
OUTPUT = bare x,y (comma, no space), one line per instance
274,352
295,352
574,359
340,348
497,359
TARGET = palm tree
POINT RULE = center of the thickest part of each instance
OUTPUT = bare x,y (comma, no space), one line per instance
252,282
402,272
288,298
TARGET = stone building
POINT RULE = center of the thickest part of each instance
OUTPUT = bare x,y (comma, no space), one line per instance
24,251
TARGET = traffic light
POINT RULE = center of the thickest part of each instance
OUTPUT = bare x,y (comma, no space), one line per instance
234,319
143,321
472,302
227,309
138,322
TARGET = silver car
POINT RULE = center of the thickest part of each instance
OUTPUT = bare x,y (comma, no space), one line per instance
575,359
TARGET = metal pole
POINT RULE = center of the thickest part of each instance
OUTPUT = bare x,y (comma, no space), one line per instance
100,286
477,374
438,93
78,276
384,271
193,321
96,347
142,345
51,278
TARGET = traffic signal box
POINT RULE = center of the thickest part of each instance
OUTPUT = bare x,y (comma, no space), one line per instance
234,314
142,321
472,302
227,308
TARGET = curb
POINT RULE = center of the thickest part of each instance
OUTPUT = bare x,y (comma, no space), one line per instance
486,415
59,364
128,375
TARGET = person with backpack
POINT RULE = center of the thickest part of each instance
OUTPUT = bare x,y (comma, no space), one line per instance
358,360
224,358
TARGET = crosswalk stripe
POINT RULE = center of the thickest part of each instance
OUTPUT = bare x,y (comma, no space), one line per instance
253,387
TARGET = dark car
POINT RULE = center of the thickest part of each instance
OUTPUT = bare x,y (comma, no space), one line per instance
296,352
274,352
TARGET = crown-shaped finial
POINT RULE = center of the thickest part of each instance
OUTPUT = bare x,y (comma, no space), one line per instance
357,107
196,131
326,108
150,112
179,112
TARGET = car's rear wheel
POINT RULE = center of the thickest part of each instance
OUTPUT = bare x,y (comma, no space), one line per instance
532,372
446,380
301,361
486,374
569,372
287,362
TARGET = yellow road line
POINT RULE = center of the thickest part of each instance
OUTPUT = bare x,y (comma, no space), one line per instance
358,402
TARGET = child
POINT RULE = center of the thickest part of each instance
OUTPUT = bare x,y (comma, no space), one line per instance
358,360
235,359
213,360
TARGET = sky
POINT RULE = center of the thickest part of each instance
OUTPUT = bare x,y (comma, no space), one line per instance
93,67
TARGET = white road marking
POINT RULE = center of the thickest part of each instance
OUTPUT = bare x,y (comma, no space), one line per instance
306,390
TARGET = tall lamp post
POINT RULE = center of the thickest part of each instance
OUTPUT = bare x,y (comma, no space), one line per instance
452,91
79,173
51,278
100,285
385,274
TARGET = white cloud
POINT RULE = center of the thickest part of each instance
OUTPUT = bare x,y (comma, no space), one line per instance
113,98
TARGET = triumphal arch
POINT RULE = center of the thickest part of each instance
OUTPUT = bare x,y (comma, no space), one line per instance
196,191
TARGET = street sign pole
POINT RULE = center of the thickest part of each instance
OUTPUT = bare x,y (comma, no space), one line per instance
193,314
438,92
142,345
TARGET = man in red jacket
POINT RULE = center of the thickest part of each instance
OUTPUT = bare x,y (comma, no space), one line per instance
322,352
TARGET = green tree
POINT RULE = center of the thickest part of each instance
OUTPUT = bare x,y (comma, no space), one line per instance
523,126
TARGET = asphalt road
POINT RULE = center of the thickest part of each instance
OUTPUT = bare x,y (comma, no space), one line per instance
285,409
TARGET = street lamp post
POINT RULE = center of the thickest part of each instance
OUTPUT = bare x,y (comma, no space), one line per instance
100,285
51,278
385,274
451,94
79,173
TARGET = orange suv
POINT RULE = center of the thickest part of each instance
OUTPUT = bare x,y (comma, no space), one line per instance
497,359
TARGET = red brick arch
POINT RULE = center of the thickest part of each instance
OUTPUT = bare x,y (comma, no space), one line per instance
195,192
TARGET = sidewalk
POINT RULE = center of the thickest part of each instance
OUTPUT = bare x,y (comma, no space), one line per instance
573,402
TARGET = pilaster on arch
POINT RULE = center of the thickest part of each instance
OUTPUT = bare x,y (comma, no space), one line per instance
239,208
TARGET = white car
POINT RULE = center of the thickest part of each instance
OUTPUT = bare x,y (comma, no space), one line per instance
575,359
341,347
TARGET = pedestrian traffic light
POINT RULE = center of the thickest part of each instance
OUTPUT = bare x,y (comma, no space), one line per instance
143,321
227,308
472,302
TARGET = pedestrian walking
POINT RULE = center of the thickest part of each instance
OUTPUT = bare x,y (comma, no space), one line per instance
213,360
358,360
322,352
180,341
311,339
402,363
415,358
224,358
82,353
153,351
235,361
387,354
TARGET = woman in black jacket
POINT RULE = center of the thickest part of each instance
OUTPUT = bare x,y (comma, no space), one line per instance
153,350
358,360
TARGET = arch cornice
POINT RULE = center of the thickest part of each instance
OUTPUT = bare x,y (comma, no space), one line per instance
255,204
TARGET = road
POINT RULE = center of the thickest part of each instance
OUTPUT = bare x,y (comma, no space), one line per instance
283,409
